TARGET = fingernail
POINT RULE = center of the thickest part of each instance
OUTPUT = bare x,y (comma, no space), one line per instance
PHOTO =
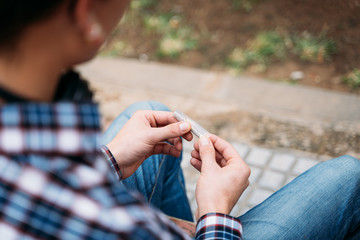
204,141
185,126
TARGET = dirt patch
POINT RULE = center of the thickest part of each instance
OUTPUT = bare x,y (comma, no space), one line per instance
221,28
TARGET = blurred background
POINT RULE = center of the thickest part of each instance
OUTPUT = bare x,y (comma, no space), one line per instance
305,42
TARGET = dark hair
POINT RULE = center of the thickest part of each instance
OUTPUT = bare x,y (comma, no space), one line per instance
16,15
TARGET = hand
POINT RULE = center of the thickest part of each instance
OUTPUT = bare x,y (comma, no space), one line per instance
145,134
223,175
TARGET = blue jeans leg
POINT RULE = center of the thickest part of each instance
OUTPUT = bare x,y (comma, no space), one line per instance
159,179
322,203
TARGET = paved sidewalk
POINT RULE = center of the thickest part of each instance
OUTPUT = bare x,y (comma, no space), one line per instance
271,169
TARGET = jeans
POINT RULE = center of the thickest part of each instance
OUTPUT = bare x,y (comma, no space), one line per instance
160,178
322,203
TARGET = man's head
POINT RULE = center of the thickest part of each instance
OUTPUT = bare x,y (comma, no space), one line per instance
86,22
17,15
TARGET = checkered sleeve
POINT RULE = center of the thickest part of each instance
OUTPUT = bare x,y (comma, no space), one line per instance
36,205
218,226
112,162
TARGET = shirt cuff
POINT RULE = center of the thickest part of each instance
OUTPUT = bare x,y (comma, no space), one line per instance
113,164
218,226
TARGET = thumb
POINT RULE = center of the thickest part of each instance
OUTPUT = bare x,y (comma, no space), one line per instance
170,131
207,153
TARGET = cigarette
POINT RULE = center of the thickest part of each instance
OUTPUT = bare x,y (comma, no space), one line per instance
195,127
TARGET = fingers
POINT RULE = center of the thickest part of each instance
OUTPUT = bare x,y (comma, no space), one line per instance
165,126
223,148
196,163
188,136
162,119
219,158
176,142
170,131
225,153
167,149
207,153
195,153
159,118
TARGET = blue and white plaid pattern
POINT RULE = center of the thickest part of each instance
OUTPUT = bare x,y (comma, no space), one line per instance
55,184
112,162
42,128
218,226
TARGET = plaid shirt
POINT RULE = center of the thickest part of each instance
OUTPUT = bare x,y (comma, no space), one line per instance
55,183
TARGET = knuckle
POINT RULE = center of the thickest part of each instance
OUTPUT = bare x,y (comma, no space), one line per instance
241,175
174,130
244,169
207,150
138,113
247,171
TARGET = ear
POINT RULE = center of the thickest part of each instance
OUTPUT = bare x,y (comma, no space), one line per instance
81,14
85,20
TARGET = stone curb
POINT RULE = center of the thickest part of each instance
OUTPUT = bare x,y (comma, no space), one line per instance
250,110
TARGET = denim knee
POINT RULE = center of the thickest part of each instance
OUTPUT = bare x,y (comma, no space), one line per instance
147,105
347,165
342,169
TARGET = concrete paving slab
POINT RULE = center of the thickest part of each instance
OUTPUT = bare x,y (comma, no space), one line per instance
258,156
256,172
298,102
272,180
282,162
303,164
242,149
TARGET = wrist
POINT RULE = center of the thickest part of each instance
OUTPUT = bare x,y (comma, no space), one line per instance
203,210
112,161
216,222
117,151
